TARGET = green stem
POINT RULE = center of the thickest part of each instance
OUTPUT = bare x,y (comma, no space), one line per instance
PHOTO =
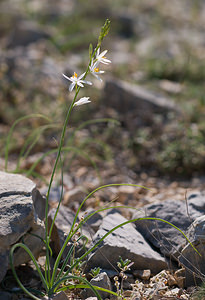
51,181
36,265
54,287
84,286
55,166
47,266
59,203
57,262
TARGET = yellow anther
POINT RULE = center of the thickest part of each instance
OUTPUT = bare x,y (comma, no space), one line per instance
75,75
96,70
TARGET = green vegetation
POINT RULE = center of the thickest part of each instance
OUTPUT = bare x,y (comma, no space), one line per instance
183,65
171,147
199,294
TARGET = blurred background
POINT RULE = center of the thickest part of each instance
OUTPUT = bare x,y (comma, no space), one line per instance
153,92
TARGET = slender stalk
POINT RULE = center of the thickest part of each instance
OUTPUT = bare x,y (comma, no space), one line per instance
47,266
47,269
36,265
55,286
84,286
59,203
57,262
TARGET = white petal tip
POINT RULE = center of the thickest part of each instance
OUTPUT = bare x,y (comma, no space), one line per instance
82,101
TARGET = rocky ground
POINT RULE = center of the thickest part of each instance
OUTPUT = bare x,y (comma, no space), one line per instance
152,98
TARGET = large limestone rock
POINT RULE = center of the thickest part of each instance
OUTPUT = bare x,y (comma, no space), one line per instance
181,214
18,197
126,242
194,262
136,103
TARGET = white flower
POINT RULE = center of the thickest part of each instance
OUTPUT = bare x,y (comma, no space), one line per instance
94,70
76,80
83,100
100,57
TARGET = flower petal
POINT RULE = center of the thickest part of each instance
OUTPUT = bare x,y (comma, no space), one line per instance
105,61
83,100
80,83
102,54
66,77
81,76
98,52
71,87
87,82
98,77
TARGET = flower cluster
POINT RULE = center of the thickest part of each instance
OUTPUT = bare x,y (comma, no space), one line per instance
93,69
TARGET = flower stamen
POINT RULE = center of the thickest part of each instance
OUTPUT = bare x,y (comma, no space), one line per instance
75,80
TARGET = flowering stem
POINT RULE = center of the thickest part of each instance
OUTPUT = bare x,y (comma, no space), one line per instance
47,270
47,238
104,31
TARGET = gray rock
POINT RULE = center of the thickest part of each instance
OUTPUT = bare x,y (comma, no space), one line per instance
142,274
126,242
136,102
193,262
39,203
76,194
58,296
196,230
4,262
62,227
32,241
15,184
162,235
18,195
111,273
18,217
55,193
102,280
95,221
25,33
5,296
